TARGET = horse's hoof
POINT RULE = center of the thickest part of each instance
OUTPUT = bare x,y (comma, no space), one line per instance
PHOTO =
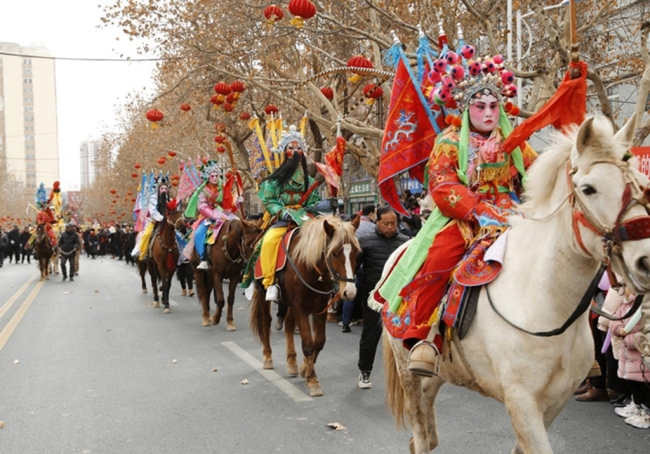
144,290
302,370
315,390
155,304
231,327
292,370
206,322
216,320
268,364
166,310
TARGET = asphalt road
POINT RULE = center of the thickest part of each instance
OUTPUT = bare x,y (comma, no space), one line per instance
90,367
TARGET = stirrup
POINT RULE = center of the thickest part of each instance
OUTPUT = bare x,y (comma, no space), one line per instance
204,265
273,293
423,364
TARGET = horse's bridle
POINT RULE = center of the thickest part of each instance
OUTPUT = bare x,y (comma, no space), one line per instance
637,228
166,247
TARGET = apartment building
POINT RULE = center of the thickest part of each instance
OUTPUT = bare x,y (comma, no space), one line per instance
88,153
28,120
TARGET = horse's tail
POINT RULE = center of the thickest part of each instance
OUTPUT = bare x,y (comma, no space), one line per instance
258,313
394,390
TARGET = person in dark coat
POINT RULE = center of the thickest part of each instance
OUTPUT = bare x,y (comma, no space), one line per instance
68,244
93,243
26,253
376,247
3,246
13,248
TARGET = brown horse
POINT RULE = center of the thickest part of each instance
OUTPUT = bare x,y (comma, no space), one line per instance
321,263
44,250
164,258
228,255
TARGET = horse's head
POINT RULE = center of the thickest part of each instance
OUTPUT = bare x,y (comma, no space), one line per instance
40,232
341,254
251,233
610,209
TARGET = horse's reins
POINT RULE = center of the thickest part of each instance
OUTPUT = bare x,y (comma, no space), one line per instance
634,229
165,247
335,286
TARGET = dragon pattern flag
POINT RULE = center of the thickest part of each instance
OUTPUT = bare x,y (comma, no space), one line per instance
409,135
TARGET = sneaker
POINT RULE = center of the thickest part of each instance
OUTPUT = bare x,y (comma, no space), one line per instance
364,380
641,420
64,278
279,323
191,293
204,265
346,328
273,293
630,410
183,292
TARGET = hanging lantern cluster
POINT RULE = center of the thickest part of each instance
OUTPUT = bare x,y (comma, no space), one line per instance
155,116
227,95
372,92
273,13
301,10
357,64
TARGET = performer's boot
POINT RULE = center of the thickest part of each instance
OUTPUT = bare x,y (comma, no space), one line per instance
273,293
424,359
204,265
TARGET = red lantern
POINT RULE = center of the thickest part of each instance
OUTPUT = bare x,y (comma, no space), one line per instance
133,200
373,91
154,116
273,13
270,109
222,88
137,166
228,107
171,153
244,116
303,10
173,177
219,139
134,175
162,161
237,86
186,107
113,191
220,127
204,160
221,149
217,100
231,98
358,61
174,183
181,166
327,92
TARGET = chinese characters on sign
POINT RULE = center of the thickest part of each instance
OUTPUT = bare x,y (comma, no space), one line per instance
360,188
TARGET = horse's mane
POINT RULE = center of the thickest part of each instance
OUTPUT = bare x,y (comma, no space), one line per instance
314,239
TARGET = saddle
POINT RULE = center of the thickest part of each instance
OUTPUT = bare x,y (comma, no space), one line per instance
281,259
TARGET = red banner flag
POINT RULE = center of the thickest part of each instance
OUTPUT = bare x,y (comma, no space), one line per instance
408,137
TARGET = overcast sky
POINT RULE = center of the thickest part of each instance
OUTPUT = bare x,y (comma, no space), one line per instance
87,92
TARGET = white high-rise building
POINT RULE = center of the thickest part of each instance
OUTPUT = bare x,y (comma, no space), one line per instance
29,139
88,151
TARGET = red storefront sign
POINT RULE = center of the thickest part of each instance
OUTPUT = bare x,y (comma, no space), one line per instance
643,153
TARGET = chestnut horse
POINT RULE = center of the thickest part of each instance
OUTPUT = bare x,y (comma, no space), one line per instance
164,258
228,257
583,198
321,262
44,251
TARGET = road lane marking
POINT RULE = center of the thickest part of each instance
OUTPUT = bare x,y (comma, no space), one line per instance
10,302
272,376
15,320
171,301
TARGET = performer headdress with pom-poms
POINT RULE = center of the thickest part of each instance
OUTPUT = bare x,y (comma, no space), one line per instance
208,168
457,78
292,135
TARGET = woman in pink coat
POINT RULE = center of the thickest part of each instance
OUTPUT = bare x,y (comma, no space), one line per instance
630,368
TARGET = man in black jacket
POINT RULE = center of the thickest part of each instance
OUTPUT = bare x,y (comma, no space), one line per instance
24,251
376,247
68,245
13,248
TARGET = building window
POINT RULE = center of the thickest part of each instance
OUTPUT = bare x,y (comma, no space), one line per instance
29,127
27,70
29,118
27,90
28,100
30,156
27,81
29,109
27,61
29,138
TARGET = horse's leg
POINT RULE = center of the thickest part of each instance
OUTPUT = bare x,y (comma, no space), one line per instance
289,327
317,344
265,329
142,269
527,421
153,274
201,281
233,282
411,396
165,279
218,297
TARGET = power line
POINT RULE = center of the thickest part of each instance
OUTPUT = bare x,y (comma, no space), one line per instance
124,60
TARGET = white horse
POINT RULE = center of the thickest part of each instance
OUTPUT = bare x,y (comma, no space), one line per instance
548,265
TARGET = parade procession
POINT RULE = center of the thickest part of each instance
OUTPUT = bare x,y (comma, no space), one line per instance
315,215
